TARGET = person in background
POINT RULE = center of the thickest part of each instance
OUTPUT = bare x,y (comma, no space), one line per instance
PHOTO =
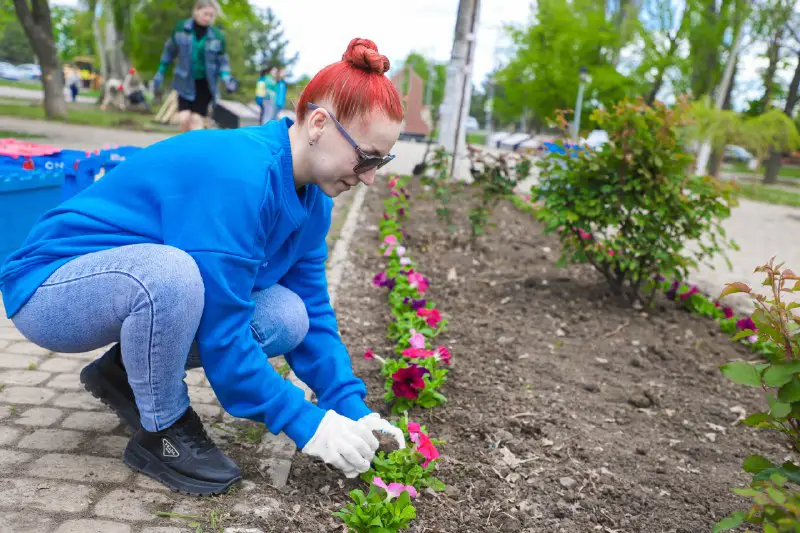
280,92
268,89
199,50
262,95
74,83
133,89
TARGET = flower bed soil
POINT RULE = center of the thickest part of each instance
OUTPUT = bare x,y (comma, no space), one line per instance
568,411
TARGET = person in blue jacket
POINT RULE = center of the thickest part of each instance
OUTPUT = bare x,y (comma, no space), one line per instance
208,249
280,92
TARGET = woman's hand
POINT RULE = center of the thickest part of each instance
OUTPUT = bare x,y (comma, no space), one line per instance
343,443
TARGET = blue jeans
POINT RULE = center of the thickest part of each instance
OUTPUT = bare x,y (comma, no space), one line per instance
148,297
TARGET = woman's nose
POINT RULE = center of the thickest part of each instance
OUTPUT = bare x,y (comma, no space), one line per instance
368,178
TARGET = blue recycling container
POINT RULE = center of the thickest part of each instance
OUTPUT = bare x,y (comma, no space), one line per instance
25,195
114,156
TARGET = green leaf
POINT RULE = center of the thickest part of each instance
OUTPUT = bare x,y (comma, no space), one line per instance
733,288
756,419
769,528
731,522
790,392
742,373
780,410
743,335
756,463
376,522
777,375
776,495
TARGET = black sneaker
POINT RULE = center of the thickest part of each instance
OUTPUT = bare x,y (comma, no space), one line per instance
106,380
183,457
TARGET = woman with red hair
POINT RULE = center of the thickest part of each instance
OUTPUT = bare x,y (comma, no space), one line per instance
208,249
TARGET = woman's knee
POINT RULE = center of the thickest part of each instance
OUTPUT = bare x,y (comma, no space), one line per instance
280,321
176,282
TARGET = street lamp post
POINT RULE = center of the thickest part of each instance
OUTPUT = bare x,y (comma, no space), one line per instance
583,76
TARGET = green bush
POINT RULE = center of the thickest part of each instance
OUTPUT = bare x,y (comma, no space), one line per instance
630,208
774,488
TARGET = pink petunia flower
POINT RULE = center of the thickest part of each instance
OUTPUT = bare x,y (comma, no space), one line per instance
417,340
584,234
418,281
746,323
443,354
432,316
394,490
423,442
688,294
405,261
369,354
417,353
393,182
728,312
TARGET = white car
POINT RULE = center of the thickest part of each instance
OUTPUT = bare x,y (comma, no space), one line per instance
10,72
30,71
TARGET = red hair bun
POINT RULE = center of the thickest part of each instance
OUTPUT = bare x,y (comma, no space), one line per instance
363,54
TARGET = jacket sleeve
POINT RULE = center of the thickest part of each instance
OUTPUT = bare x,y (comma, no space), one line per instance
224,62
168,54
321,360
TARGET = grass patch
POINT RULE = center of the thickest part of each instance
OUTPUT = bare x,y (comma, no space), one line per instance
4,134
12,409
786,171
771,195
476,138
213,523
34,85
32,366
85,115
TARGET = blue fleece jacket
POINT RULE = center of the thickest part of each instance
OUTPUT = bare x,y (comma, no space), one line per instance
228,199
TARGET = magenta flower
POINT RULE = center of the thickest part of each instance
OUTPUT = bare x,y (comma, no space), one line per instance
432,316
380,279
390,241
688,294
418,304
393,490
584,234
746,323
673,290
443,354
417,353
401,212
423,442
393,182
369,354
408,381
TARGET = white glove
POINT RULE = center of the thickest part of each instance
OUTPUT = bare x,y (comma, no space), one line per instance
375,423
343,443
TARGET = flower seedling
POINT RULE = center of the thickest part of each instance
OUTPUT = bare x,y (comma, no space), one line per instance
379,510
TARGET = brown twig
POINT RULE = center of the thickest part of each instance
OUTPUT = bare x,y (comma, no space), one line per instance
617,329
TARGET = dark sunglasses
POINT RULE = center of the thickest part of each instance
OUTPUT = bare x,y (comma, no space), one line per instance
366,162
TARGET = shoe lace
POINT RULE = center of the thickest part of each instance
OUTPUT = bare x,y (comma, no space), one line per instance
195,433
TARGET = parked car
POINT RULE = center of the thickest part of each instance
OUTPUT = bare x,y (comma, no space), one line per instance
10,72
737,154
30,71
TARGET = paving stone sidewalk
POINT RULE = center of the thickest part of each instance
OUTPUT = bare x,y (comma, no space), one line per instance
60,448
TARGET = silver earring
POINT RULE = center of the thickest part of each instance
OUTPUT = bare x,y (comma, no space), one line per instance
311,143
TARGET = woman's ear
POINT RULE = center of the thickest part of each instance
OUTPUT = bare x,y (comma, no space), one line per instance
316,124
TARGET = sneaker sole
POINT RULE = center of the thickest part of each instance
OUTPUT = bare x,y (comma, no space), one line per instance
143,461
95,384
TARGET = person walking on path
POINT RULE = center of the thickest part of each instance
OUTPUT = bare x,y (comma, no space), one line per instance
209,249
74,83
280,92
265,94
200,56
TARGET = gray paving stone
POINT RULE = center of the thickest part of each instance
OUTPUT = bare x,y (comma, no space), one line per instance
80,468
78,400
27,348
4,412
26,395
4,343
111,445
10,333
91,421
66,382
45,495
19,521
9,459
202,395
52,440
10,360
195,377
8,435
166,529
61,364
23,377
132,505
39,416
93,526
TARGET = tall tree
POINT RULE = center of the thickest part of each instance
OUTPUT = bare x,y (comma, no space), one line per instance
72,29
35,18
662,36
14,45
772,18
267,44
774,163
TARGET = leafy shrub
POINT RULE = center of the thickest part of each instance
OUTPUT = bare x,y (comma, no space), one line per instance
495,175
630,208
774,488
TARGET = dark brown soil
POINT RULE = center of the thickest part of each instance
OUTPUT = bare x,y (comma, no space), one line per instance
568,411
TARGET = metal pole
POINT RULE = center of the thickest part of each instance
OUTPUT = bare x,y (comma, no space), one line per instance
576,124
466,84
489,108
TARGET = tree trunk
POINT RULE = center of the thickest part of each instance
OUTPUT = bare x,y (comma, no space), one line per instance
39,30
773,54
774,164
